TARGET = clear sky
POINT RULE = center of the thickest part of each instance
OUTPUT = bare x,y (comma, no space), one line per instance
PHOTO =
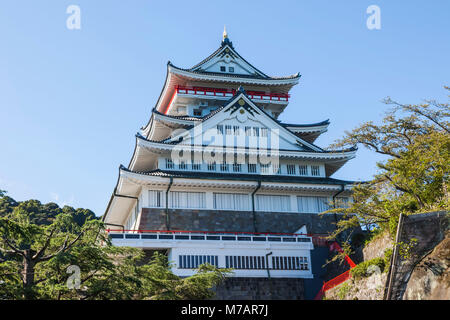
71,101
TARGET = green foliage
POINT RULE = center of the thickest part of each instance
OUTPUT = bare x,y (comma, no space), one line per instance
362,270
38,247
415,176
387,258
343,290
405,249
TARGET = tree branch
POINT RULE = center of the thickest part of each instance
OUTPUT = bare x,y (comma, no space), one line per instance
64,248
15,250
47,242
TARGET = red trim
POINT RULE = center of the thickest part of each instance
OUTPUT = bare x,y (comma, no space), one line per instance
170,102
340,278
219,92
223,92
217,232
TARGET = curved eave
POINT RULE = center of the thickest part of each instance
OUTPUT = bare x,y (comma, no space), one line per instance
240,182
159,147
308,128
289,80
120,203
174,120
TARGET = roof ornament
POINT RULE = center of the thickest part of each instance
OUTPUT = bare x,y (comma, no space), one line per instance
225,34
225,39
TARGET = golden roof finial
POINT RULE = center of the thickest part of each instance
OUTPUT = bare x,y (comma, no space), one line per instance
225,34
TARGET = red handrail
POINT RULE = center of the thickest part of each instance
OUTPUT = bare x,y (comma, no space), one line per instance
316,235
223,92
334,246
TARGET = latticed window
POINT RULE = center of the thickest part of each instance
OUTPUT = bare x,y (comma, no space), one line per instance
310,204
245,262
251,167
196,166
237,167
315,170
264,132
228,129
256,131
211,166
303,170
224,167
156,198
231,201
220,129
274,203
248,131
236,130
289,263
290,168
187,200
265,168
182,165
169,163
194,261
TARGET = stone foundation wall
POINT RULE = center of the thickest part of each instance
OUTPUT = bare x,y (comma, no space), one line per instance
240,221
428,229
260,289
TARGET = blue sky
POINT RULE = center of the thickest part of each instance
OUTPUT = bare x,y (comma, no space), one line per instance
72,100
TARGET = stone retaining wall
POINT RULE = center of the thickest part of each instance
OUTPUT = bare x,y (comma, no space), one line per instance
240,221
260,289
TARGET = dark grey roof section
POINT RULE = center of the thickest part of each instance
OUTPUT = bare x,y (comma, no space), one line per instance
236,75
241,177
305,125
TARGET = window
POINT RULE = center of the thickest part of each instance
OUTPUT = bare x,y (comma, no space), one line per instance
251,167
228,129
315,170
276,168
211,166
194,261
310,204
223,69
303,170
256,131
224,167
342,202
248,131
290,169
182,165
231,69
289,263
156,199
264,132
272,203
219,129
196,166
245,262
231,201
236,130
237,167
197,112
169,164
187,200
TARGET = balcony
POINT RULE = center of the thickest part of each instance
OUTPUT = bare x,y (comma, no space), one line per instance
227,93
175,238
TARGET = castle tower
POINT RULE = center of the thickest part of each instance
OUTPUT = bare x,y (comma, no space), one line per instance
215,177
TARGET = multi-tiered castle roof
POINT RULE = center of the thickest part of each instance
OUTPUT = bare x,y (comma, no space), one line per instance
213,143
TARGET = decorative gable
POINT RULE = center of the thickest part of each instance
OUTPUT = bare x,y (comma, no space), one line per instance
241,118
